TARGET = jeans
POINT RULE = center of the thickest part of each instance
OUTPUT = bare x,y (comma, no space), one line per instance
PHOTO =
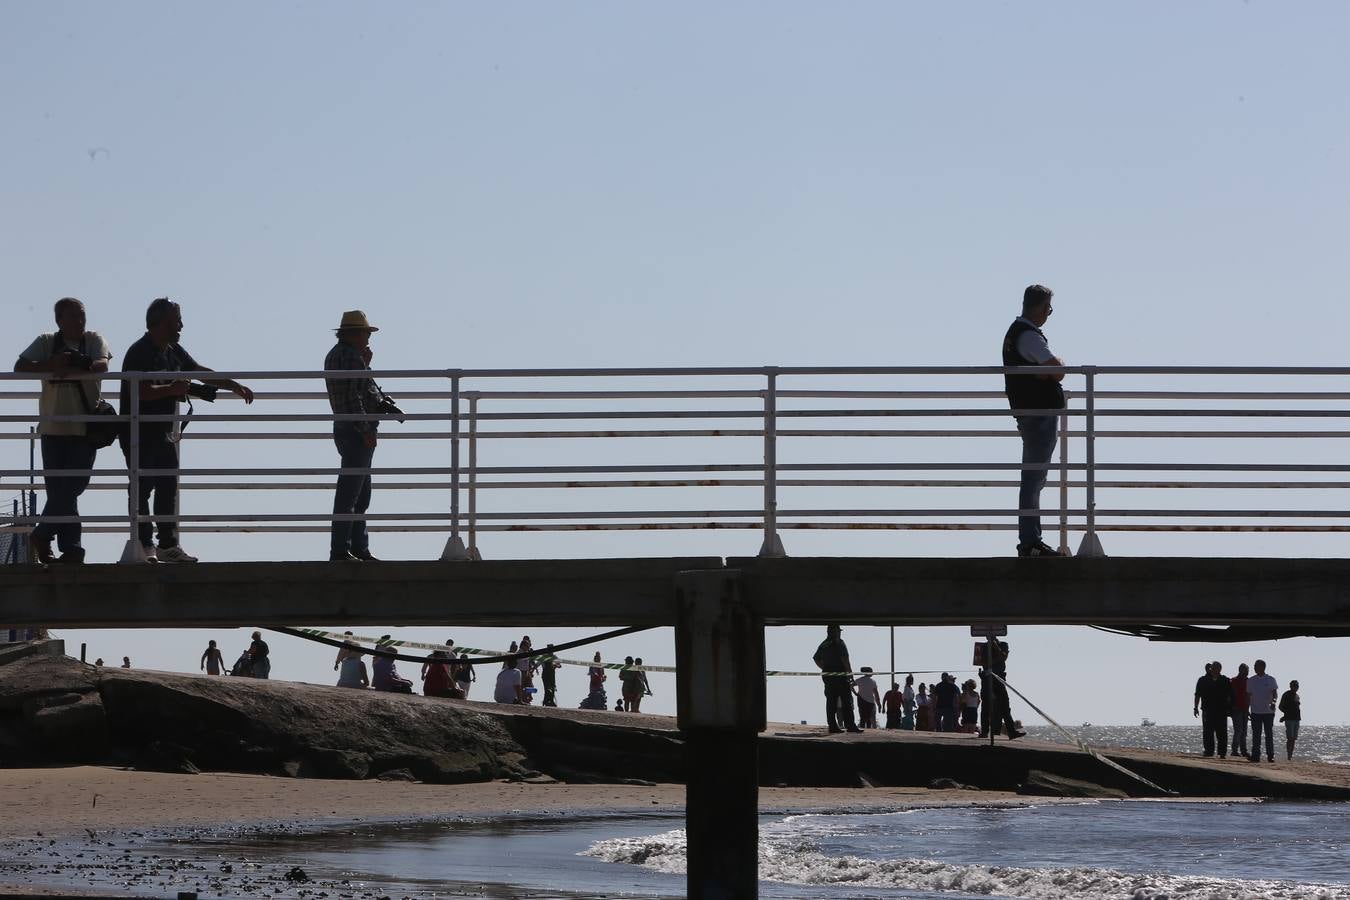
352,494
946,720
1215,725
1263,721
1240,733
157,453
1039,434
64,451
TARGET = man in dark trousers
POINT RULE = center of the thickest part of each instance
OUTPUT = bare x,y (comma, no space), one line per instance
1000,716
1214,693
549,673
1035,401
835,668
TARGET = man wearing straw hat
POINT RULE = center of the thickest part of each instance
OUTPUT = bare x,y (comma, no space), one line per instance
355,438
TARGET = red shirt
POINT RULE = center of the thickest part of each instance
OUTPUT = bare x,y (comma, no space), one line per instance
1240,697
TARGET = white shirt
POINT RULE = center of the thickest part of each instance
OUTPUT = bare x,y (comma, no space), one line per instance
1032,345
1262,690
508,680
61,398
866,689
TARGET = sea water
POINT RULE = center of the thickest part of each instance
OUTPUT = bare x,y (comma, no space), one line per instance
1136,849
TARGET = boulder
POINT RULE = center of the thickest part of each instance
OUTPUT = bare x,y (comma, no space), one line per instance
1047,784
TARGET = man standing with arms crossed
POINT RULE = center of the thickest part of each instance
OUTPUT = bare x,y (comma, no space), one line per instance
1035,400
68,350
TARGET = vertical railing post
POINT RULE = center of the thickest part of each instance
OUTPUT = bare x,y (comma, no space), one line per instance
1091,545
454,545
473,476
133,552
773,545
1064,482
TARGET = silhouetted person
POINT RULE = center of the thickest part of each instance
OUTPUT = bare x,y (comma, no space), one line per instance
869,698
69,350
1262,689
212,661
548,673
259,654
1035,401
1214,693
1000,716
355,437
1290,706
831,658
1239,704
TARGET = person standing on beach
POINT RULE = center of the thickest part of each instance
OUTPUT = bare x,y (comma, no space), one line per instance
907,717
345,650
1290,706
1213,692
464,675
1262,689
1000,714
1239,706
893,705
548,674
945,696
67,351
970,707
831,658
869,698
1035,401
212,660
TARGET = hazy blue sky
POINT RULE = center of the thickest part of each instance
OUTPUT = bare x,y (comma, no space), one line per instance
741,184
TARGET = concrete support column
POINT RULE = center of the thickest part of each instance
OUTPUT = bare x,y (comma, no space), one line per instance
719,659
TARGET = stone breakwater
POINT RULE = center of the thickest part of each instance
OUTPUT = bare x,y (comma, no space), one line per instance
54,709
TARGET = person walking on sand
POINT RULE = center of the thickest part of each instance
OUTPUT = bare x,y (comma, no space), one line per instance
1289,706
831,658
1262,689
464,675
1214,692
1035,401
869,698
1239,706
212,661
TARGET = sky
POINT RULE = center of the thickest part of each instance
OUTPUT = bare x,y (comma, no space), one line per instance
739,184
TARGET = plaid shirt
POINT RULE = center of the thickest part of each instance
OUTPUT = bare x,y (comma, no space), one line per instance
351,396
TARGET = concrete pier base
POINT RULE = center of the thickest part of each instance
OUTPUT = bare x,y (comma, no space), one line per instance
720,696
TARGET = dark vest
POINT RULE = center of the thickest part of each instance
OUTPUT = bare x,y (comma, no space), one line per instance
1027,391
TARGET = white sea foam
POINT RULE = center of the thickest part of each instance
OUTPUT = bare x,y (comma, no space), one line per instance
794,863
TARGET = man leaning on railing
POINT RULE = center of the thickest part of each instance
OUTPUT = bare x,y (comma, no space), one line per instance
158,350
1025,345
67,351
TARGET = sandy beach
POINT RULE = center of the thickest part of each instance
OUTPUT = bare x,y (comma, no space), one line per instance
71,800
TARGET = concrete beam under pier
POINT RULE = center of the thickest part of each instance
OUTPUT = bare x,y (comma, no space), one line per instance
1100,591
557,593
612,592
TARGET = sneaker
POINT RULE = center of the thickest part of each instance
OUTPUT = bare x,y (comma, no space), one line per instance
149,550
42,550
853,730
364,556
341,556
175,554
1017,734
1040,548
73,556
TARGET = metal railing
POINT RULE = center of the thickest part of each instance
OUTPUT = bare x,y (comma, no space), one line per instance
536,438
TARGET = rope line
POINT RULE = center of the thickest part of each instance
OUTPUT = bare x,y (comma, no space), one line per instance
1080,743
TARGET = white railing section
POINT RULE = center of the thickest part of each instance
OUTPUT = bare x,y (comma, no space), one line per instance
850,449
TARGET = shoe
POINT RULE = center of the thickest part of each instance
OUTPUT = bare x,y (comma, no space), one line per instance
1040,548
364,556
836,731
1208,755
175,554
343,556
853,730
1016,734
42,550
73,556
1223,756
149,550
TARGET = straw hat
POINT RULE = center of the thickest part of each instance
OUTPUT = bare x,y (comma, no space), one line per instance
355,320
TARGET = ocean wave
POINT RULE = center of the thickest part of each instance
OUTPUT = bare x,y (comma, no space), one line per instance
794,864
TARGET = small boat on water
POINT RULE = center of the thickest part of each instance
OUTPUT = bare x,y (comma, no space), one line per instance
1086,725
1147,723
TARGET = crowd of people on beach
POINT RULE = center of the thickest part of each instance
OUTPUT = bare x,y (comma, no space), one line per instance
1242,699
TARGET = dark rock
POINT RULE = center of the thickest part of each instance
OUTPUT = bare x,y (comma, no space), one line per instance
1047,784
68,726
950,784
397,775
297,875
351,765
164,756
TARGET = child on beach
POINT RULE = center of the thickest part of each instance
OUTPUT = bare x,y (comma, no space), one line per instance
212,661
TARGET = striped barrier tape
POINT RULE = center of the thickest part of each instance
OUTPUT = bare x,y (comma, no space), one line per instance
388,642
